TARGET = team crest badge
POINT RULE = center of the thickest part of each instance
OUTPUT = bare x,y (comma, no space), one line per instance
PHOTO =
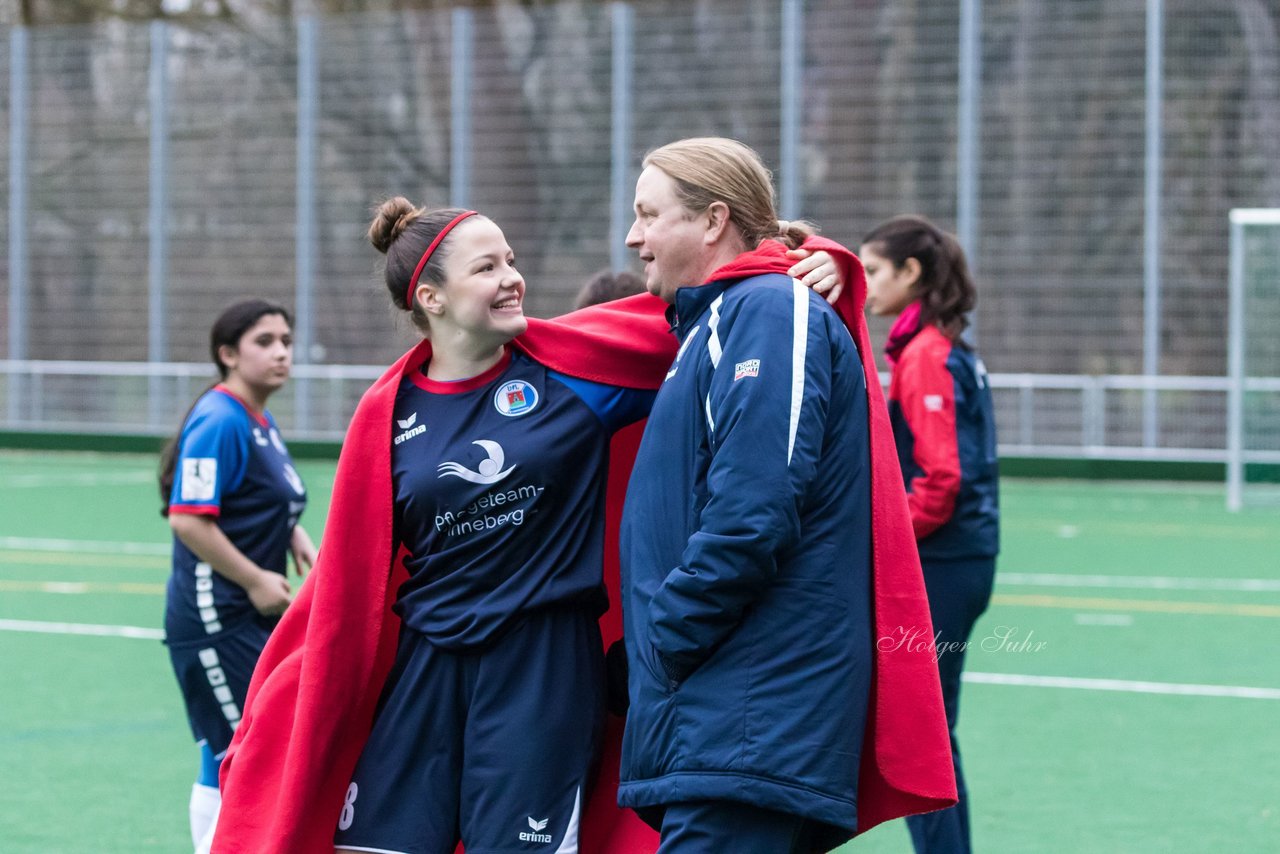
515,398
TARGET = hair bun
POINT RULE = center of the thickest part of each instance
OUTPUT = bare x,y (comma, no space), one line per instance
390,221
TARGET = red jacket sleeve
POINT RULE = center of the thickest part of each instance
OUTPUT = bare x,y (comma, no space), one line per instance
925,390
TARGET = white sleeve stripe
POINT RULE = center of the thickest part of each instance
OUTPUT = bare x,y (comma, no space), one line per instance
711,424
799,346
713,337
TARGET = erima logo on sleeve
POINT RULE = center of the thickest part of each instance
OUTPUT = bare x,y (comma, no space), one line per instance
199,478
933,402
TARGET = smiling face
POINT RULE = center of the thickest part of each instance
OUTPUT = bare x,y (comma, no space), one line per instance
260,362
890,289
481,303
673,242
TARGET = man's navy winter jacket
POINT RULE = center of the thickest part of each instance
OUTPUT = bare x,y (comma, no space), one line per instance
746,561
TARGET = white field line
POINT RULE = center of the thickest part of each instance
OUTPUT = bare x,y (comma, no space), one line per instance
1123,685
42,544
80,587
81,629
30,481
1139,582
1104,619
1015,679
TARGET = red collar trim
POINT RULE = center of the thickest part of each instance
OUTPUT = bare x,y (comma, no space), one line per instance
260,418
905,328
422,381
769,257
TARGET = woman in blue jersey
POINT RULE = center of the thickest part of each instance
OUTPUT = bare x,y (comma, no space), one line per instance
488,725
233,498
944,427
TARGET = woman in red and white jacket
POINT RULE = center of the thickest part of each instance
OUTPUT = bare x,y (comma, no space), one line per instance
944,426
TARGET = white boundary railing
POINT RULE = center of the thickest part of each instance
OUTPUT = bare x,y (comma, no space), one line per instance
1048,415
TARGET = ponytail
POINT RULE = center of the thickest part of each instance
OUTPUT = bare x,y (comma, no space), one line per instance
794,233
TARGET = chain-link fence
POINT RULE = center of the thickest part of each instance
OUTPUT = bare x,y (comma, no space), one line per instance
1086,152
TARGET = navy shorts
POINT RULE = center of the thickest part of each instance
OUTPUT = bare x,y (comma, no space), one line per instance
495,748
213,674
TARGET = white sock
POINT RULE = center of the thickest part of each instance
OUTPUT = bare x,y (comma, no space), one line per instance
205,801
206,844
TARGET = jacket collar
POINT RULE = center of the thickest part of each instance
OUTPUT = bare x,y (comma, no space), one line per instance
769,257
692,302
905,328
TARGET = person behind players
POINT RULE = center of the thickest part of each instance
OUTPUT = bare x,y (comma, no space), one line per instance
606,286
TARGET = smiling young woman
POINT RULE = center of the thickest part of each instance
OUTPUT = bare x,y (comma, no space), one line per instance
491,455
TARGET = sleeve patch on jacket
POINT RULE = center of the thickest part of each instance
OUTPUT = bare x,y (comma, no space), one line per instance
749,368
933,402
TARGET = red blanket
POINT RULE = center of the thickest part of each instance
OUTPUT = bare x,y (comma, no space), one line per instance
313,694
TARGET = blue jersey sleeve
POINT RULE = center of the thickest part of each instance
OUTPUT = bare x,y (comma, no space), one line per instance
212,455
616,407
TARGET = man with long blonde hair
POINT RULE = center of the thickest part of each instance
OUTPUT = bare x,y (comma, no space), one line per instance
766,472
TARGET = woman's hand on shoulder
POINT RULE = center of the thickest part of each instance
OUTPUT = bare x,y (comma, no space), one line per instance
817,270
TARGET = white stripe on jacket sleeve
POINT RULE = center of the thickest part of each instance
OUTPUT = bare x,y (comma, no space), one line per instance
713,332
799,347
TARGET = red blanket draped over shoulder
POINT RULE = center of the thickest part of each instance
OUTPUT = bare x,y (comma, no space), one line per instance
314,691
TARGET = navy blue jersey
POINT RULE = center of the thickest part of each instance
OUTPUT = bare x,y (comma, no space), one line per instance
231,465
499,485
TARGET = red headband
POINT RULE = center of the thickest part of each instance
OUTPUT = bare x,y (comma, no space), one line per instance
426,256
